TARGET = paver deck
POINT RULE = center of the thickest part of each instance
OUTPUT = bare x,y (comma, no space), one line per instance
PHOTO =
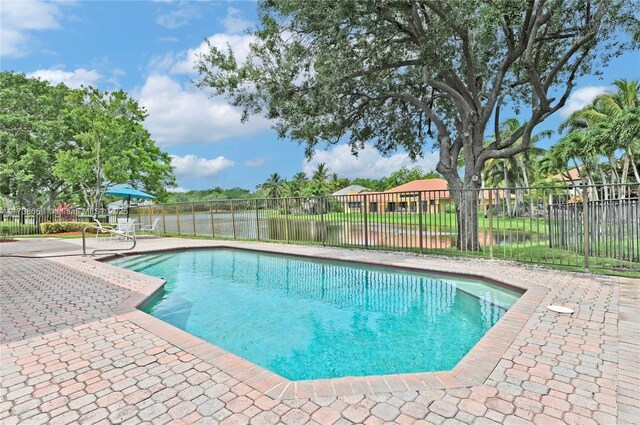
74,350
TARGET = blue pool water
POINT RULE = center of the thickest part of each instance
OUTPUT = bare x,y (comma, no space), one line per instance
306,319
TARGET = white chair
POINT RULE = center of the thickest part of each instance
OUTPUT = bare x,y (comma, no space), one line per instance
153,227
127,227
102,229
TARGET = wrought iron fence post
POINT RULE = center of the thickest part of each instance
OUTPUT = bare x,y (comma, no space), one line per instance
178,218
193,217
420,211
164,222
286,220
490,224
257,221
365,221
323,230
585,225
213,234
233,220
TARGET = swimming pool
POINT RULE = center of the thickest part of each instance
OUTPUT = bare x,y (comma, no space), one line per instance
312,319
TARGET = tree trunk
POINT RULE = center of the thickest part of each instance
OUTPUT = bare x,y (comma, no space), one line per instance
507,191
634,167
603,176
526,184
625,173
467,216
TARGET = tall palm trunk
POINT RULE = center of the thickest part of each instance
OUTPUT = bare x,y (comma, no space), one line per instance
507,191
634,167
526,183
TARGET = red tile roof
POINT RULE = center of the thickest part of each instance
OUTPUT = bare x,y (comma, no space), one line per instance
419,185
569,175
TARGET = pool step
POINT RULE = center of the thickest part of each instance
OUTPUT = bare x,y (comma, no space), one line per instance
132,263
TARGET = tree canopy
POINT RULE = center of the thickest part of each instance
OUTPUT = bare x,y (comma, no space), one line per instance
56,143
34,126
417,74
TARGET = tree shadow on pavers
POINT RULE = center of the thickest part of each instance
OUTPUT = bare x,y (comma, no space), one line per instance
40,296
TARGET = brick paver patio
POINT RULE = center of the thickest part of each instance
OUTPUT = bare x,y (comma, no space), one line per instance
74,351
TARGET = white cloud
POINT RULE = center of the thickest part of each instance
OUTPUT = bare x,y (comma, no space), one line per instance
18,19
177,17
580,98
239,45
233,22
178,115
255,162
191,167
368,164
178,189
73,79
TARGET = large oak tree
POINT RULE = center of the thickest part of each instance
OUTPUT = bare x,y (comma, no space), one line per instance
417,75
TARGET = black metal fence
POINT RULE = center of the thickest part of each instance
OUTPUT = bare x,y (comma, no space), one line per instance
544,225
25,221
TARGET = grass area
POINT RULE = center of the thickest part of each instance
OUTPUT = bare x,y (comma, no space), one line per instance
440,222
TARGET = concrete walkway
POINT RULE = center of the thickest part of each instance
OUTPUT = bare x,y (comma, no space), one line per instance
70,355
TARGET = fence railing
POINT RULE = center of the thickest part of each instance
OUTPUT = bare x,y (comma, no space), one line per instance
544,225
574,226
25,221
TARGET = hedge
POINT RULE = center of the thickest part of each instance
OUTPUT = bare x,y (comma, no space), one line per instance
63,226
12,229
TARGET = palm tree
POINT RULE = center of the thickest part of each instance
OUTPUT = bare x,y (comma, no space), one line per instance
273,186
517,170
525,160
321,173
611,123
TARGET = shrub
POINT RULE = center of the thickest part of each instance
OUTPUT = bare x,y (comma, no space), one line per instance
14,229
63,226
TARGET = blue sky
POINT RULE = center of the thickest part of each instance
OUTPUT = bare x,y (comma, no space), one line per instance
147,48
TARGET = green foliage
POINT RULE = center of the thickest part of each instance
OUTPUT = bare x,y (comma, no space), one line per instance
56,142
63,226
274,186
14,229
34,127
209,195
608,127
393,72
112,147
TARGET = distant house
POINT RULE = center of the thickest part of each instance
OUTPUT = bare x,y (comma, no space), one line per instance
354,189
433,193
120,207
571,176
572,179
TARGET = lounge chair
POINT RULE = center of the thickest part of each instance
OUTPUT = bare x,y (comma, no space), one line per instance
153,227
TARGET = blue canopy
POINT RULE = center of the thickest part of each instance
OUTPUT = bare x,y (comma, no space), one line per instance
130,193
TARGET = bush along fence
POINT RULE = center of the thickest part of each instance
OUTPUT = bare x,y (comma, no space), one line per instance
575,226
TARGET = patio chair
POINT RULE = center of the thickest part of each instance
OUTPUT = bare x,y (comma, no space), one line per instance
103,229
153,227
127,227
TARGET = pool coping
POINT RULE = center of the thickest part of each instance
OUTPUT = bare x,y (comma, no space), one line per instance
473,369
